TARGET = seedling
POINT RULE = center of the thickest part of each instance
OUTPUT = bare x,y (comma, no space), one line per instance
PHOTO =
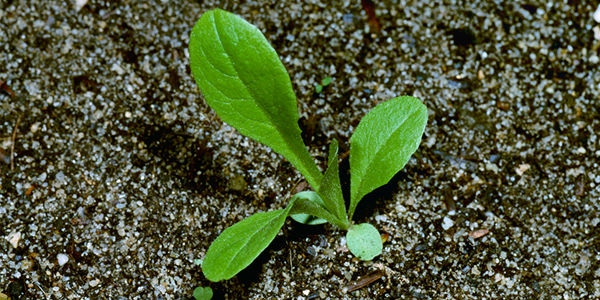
243,80
324,82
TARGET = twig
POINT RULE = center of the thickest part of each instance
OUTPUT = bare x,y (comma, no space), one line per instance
12,145
364,281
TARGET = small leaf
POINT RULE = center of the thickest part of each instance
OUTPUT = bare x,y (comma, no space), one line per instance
330,188
382,144
240,244
243,80
306,218
309,202
364,241
326,81
318,88
203,293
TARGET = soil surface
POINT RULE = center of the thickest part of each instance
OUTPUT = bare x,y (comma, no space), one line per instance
115,176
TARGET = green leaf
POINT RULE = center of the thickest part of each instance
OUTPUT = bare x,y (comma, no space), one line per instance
329,197
240,244
203,293
326,81
364,241
330,188
309,202
318,88
306,218
242,79
382,144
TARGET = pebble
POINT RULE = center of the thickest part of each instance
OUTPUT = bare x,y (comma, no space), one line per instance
62,259
447,223
14,238
94,283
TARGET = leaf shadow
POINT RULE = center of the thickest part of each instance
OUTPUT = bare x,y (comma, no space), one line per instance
186,158
369,203
367,206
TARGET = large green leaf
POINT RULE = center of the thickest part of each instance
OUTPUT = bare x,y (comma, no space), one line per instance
240,244
243,80
330,188
382,144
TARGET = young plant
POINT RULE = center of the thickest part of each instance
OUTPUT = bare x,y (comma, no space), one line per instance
243,80
324,83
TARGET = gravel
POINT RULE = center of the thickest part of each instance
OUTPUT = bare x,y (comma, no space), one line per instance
122,176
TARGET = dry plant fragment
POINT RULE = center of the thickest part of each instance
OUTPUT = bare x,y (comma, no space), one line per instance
478,233
6,88
369,8
364,281
12,144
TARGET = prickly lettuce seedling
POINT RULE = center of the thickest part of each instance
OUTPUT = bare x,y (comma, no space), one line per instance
243,80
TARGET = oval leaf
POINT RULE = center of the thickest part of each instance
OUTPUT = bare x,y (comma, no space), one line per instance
242,79
240,244
382,144
364,241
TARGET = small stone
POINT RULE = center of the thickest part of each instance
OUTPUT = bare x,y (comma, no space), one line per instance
62,259
348,18
381,218
306,292
94,282
522,169
480,75
118,69
597,14
35,127
79,4
447,223
594,59
14,239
